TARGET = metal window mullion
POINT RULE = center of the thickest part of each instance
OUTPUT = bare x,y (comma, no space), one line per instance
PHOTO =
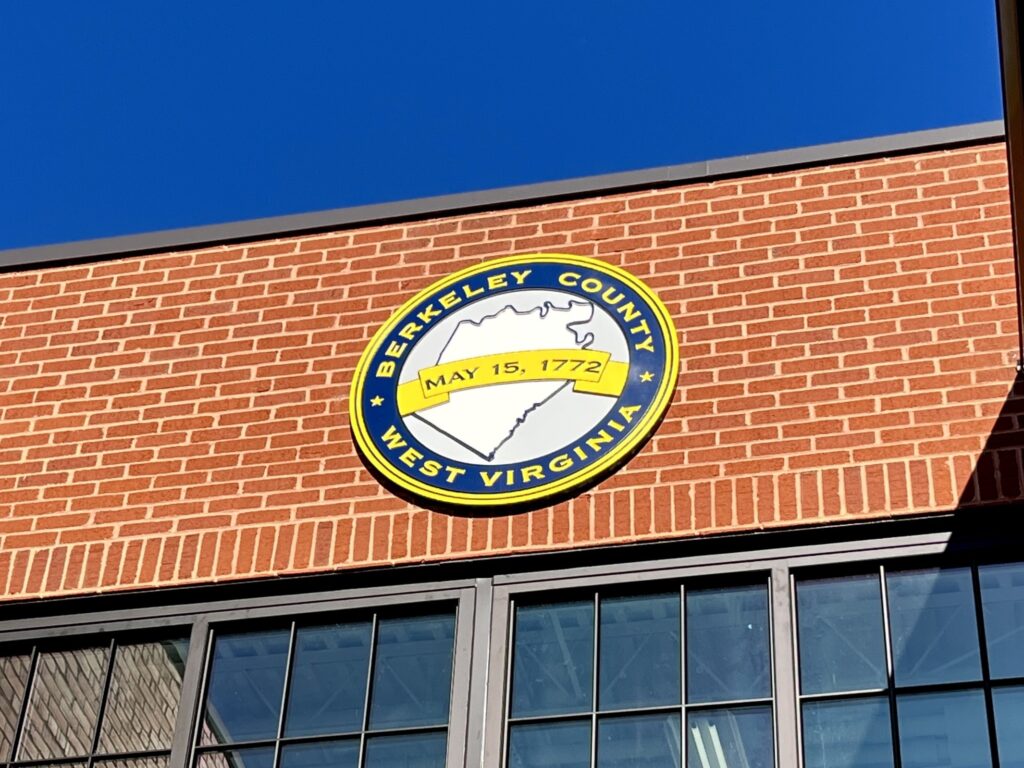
506,709
461,686
366,695
188,699
477,701
104,696
593,684
33,662
782,645
986,676
910,690
231,746
289,659
185,743
57,762
703,706
890,670
684,742
558,716
860,693
130,755
352,735
801,697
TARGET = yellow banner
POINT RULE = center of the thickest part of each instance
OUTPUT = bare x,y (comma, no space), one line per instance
591,371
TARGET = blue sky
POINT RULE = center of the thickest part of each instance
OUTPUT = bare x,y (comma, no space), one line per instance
119,116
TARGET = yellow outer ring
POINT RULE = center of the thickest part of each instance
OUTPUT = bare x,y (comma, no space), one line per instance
659,404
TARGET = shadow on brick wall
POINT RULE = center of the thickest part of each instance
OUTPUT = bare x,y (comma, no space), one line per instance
998,475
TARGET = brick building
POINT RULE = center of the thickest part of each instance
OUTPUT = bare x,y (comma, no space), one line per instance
810,562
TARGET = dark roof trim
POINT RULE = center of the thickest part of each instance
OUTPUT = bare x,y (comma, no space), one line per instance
278,226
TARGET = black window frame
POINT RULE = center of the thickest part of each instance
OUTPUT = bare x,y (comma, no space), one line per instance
61,641
294,624
616,589
893,690
199,623
781,565
485,603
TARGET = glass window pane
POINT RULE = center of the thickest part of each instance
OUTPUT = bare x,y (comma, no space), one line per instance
142,703
934,632
651,741
848,734
13,677
412,674
243,701
944,730
639,651
1002,600
1009,707
331,754
553,659
153,761
328,685
724,738
262,757
550,745
412,750
841,639
64,704
727,644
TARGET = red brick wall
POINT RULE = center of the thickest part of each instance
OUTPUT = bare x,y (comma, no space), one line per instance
848,338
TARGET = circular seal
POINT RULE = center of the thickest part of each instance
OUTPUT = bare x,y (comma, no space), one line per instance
514,382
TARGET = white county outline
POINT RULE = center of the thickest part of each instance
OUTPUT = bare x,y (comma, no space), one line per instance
583,340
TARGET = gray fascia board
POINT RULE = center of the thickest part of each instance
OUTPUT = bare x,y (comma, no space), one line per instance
526,194
848,150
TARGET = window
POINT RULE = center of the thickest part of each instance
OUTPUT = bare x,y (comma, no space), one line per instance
371,691
600,680
378,677
857,655
899,667
110,705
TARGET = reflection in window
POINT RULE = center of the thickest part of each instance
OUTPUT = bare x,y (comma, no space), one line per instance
842,647
329,679
727,644
551,744
368,692
330,754
152,761
246,677
1002,599
720,738
648,740
944,730
1009,709
639,655
119,698
934,633
412,673
553,659
260,757
410,750
65,682
852,733
13,681
628,701
933,707
142,701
